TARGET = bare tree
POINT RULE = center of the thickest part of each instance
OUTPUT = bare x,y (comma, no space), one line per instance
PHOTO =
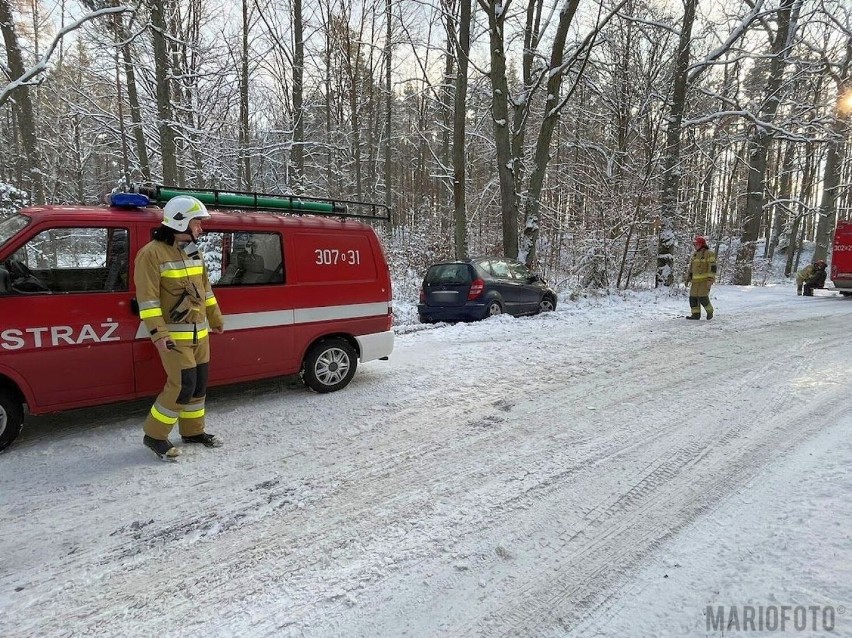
835,153
459,124
163,73
298,174
671,162
761,137
245,132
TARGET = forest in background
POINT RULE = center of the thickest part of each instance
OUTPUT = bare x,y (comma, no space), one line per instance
591,139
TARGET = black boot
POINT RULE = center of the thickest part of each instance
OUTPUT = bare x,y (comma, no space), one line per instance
206,439
162,448
693,317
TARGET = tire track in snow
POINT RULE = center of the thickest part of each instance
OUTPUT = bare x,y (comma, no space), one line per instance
428,488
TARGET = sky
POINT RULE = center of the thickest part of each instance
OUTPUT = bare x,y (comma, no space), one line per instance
607,469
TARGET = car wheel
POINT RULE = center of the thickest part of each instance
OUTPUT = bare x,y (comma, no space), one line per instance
547,304
494,308
11,418
330,365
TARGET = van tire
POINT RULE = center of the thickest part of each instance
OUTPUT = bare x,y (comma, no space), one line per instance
11,418
329,365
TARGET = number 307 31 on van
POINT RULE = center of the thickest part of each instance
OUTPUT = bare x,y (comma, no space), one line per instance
307,295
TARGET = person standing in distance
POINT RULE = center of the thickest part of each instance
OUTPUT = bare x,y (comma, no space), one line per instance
179,309
700,276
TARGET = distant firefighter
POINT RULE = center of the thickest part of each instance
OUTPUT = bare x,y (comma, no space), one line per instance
810,277
700,276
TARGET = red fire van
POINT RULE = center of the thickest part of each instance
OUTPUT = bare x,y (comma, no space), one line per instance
841,258
300,294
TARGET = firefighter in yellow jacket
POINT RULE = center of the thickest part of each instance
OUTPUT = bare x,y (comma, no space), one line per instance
179,309
700,276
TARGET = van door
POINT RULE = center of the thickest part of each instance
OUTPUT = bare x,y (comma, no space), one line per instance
247,274
65,321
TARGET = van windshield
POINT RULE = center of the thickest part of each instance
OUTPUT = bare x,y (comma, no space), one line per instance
10,226
450,274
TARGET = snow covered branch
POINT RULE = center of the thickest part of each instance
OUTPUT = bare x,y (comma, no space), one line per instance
696,69
41,66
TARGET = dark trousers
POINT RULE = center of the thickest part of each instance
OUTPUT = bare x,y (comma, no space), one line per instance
695,308
809,290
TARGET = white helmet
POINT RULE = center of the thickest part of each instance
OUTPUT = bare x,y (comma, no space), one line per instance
178,211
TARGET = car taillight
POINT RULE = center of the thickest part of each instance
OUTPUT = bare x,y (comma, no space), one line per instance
422,296
390,319
475,289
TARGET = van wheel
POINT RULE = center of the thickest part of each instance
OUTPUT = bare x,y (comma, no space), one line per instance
330,365
11,418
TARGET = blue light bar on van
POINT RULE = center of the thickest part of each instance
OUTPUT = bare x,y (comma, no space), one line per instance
129,200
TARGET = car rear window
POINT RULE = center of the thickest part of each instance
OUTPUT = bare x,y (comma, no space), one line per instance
448,274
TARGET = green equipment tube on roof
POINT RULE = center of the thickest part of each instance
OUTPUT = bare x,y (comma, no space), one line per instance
246,200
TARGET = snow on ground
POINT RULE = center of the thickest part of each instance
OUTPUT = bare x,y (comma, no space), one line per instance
605,470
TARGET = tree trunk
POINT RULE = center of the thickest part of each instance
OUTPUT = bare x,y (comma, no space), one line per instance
835,157
31,169
760,141
459,121
245,134
782,208
388,107
500,116
541,157
162,70
298,173
672,166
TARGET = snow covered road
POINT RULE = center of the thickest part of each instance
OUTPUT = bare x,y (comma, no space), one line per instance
510,477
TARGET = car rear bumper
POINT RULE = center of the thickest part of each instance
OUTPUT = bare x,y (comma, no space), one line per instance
470,311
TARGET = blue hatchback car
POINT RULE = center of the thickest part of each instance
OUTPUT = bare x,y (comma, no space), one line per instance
477,288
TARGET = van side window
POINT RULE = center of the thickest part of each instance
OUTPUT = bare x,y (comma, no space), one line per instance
243,258
71,260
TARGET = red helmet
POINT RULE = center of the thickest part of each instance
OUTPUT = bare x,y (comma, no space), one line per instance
699,242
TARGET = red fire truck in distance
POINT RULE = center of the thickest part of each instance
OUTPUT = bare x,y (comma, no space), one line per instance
841,258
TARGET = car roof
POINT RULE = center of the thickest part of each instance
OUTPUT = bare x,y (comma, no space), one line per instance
471,260
155,215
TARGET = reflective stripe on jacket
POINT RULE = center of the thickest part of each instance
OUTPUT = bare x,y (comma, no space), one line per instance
174,293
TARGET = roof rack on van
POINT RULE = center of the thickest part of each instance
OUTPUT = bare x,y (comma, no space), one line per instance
272,203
